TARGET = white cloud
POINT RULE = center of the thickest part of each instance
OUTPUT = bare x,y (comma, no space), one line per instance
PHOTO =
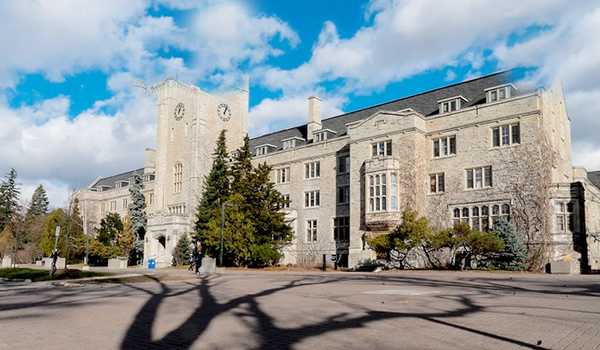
66,152
409,37
273,114
570,52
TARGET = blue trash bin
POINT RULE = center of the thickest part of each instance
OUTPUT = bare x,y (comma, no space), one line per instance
151,264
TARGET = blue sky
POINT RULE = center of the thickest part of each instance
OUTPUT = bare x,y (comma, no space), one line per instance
69,72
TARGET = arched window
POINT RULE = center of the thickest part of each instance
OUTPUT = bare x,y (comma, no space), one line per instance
177,177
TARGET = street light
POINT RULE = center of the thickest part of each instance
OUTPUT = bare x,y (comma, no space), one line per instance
54,251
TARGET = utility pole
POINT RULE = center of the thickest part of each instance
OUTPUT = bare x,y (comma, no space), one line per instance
222,229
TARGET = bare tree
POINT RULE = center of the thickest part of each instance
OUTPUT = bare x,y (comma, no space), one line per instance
527,178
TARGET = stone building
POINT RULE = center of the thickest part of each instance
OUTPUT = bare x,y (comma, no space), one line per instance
475,152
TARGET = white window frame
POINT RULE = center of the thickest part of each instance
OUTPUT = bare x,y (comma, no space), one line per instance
480,216
261,150
443,145
321,136
381,148
437,183
312,199
377,190
479,178
312,170
282,175
564,211
496,94
287,201
508,135
177,177
312,230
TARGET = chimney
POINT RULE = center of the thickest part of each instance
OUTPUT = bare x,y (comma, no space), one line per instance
314,116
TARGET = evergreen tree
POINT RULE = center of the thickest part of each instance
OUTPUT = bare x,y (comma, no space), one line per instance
76,241
137,214
216,188
137,208
241,170
9,198
110,227
514,256
182,251
39,203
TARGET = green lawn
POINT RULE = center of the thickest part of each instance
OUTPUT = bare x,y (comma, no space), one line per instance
44,275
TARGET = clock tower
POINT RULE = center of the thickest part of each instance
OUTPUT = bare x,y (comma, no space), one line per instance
188,124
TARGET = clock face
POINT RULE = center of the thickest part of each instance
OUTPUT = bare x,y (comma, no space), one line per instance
224,111
179,111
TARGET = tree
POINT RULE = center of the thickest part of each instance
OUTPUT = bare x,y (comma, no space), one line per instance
56,218
137,208
514,255
182,251
39,203
137,215
9,198
216,189
126,238
109,229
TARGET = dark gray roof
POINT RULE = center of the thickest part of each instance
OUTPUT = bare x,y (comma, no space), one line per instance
594,177
424,103
111,180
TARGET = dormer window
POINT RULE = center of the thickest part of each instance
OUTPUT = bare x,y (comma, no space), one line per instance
264,149
452,104
291,142
320,136
323,135
120,184
500,92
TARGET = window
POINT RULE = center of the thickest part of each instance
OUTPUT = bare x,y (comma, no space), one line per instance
113,205
506,135
286,201
343,164
311,230
394,191
382,148
436,183
444,146
451,104
149,177
498,93
343,194
341,229
479,217
150,198
564,217
177,177
177,209
283,175
103,208
479,177
320,136
312,170
262,150
312,199
377,193
289,144
124,203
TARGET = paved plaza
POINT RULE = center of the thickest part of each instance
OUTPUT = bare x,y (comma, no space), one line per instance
284,310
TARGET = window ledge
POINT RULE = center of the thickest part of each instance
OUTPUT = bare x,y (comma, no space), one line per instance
435,193
444,157
493,148
478,189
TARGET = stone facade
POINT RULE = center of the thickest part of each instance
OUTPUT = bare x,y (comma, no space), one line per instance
474,151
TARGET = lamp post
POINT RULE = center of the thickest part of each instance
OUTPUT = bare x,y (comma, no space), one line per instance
54,251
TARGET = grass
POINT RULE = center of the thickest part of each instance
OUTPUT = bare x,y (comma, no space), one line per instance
36,275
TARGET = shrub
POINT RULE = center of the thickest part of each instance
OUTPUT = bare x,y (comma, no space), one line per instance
182,251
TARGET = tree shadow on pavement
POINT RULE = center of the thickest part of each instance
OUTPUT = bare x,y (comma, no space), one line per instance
268,334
